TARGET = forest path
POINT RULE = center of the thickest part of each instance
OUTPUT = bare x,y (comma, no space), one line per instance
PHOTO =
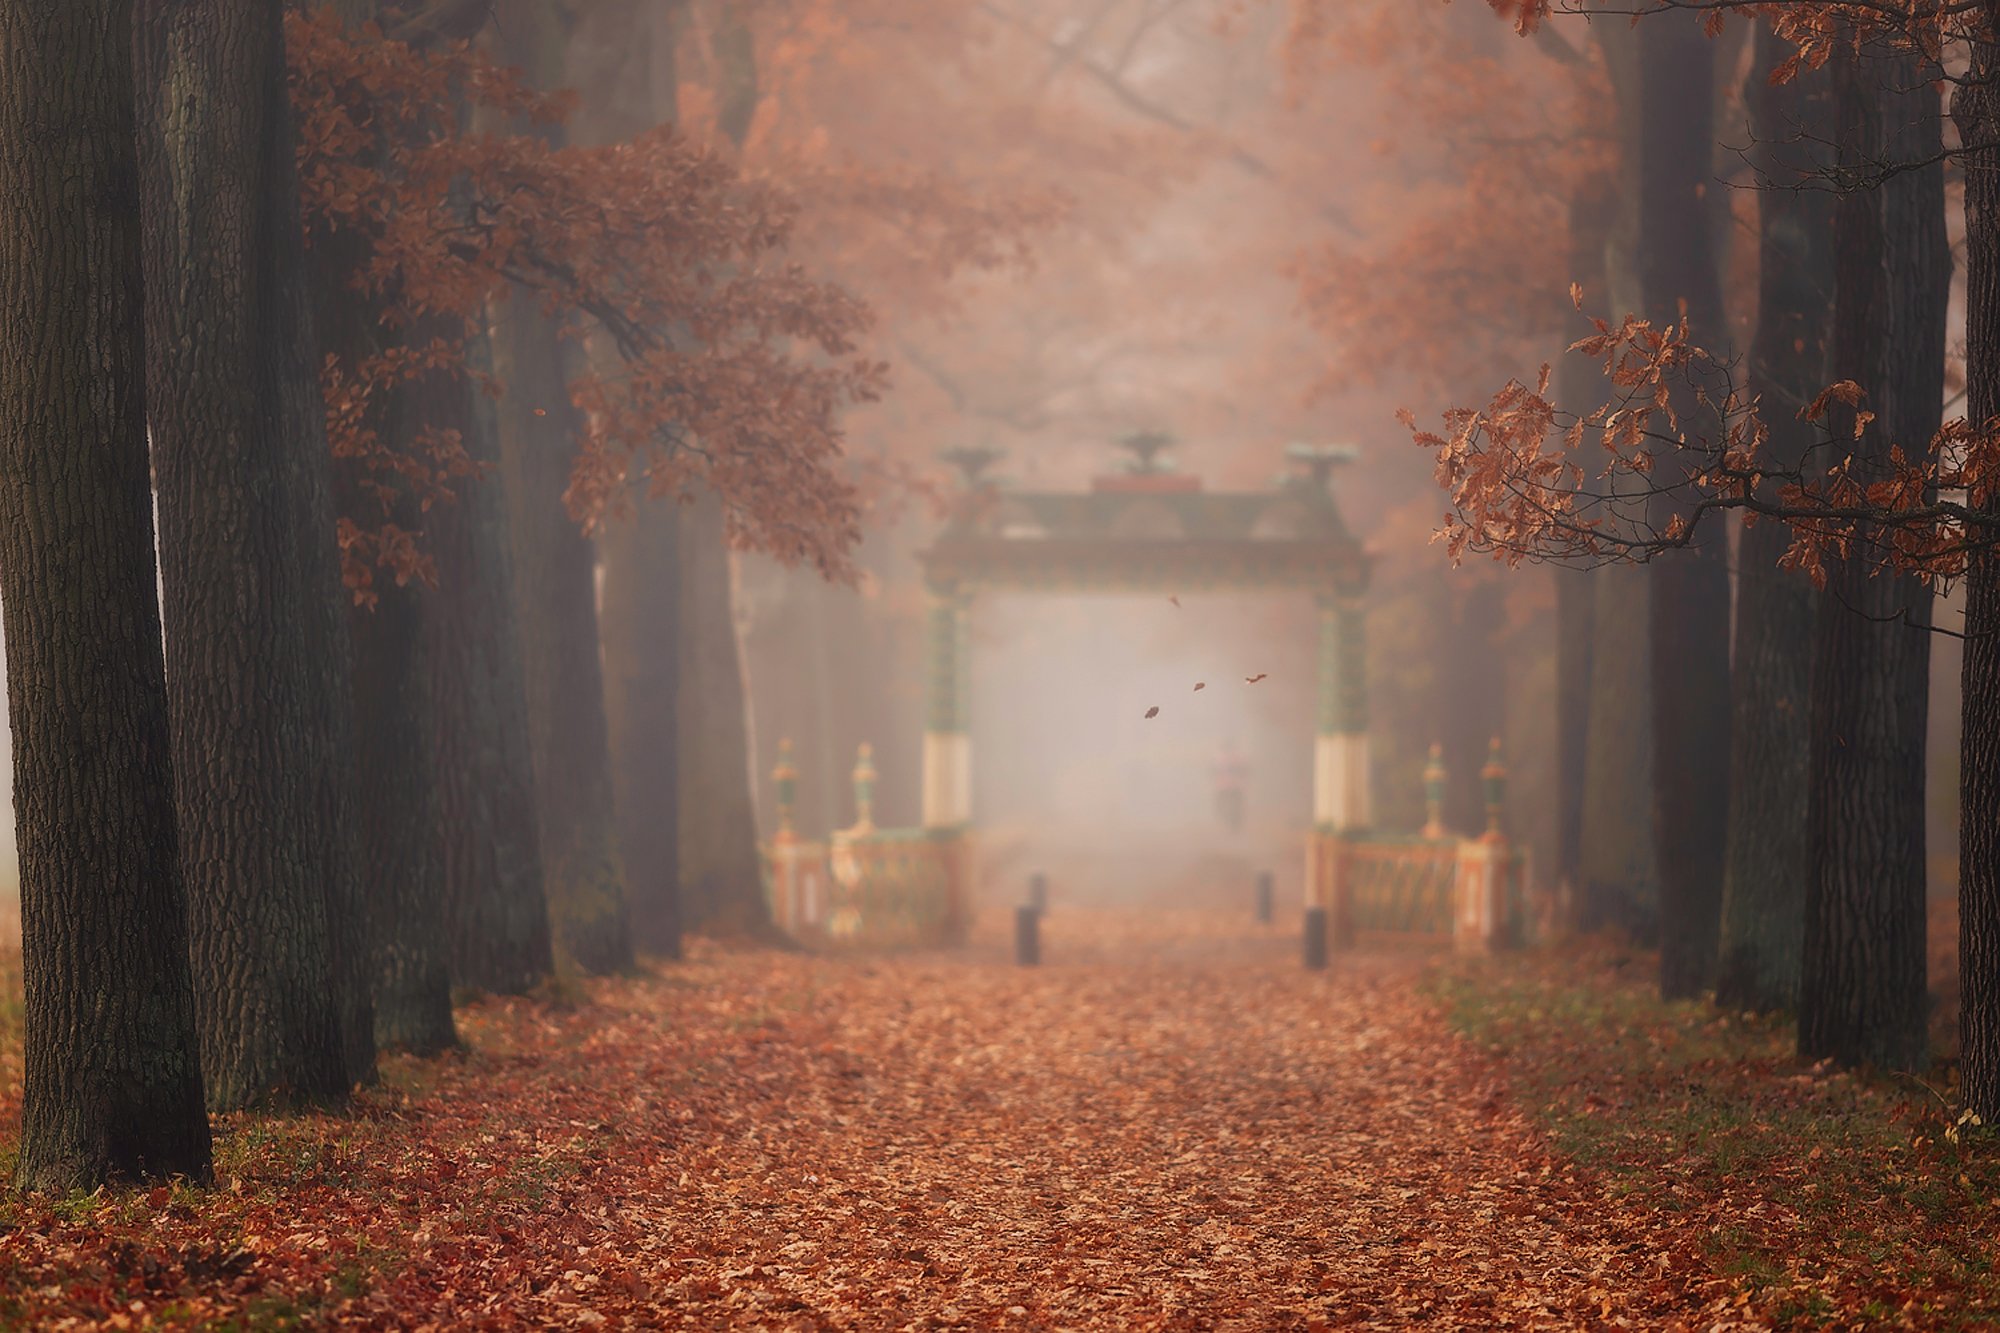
1170,1124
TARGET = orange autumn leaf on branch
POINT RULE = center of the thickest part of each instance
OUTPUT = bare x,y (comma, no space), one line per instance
733,363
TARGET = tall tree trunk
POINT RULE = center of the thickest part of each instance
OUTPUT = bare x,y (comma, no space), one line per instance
236,418
721,880
641,686
112,1081
1590,216
1976,109
1862,997
496,911
721,876
628,63
1766,859
396,807
1690,589
1471,699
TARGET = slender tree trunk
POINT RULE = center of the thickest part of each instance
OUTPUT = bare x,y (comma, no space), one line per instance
721,875
496,912
1471,704
627,61
112,1081
1862,998
1766,860
1690,590
1976,109
236,417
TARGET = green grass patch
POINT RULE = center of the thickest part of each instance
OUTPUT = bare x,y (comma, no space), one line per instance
1827,1195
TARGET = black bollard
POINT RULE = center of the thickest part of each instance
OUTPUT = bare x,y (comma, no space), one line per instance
1315,939
1027,936
1038,891
1264,896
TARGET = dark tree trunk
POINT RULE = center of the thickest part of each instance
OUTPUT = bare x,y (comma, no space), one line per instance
112,1082
1765,873
556,577
1690,590
398,808
1576,590
1976,109
1862,998
721,875
496,913
237,420
641,684
627,62
559,648
721,880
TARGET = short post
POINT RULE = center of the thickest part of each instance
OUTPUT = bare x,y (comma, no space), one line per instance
1315,939
1434,777
1038,891
1264,897
1027,936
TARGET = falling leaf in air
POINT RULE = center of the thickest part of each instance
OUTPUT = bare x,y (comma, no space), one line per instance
1201,684
1174,599
1154,711
1252,680
541,411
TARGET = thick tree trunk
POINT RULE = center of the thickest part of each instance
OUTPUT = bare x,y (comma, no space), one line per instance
559,649
641,685
1766,860
496,912
627,61
1690,589
1862,997
236,419
721,876
1976,109
112,1081
721,880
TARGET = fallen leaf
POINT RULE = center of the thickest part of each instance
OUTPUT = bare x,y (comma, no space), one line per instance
1154,711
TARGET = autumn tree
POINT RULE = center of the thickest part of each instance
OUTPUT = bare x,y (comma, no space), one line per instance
249,567
112,1082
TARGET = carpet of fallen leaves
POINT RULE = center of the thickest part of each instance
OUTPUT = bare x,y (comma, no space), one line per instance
1169,1125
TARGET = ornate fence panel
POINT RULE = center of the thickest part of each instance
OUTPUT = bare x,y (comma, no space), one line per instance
865,886
1430,885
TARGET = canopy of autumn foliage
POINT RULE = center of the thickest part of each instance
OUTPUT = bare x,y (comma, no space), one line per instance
733,362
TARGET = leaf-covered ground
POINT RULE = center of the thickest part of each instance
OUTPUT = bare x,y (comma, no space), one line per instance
1170,1125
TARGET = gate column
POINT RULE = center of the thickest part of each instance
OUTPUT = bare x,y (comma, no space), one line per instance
947,768
1340,749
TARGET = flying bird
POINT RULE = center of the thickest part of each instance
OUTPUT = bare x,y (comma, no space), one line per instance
1252,680
1154,711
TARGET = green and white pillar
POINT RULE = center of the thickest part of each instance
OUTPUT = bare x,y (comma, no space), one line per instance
947,737
1340,749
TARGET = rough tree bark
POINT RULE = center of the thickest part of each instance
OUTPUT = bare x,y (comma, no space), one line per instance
1862,998
496,911
238,430
1976,109
112,1082
1690,590
1766,859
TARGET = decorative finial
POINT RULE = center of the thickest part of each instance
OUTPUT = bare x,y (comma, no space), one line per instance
1145,446
1321,459
972,462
